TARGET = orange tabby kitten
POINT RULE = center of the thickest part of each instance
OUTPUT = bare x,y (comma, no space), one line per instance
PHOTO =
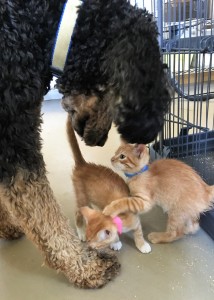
169,183
98,186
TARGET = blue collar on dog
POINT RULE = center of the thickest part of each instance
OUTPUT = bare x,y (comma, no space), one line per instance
144,169
64,34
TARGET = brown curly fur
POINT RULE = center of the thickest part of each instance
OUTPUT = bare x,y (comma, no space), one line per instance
8,227
62,249
82,108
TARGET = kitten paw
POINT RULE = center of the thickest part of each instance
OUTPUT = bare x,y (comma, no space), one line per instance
146,248
154,237
191,227
109,211
116,246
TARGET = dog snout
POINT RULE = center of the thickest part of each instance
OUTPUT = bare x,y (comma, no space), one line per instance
66,104
102,141
94,138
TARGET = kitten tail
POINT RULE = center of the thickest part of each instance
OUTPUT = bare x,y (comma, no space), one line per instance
78,158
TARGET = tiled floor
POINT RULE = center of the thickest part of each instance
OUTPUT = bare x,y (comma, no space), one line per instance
183,270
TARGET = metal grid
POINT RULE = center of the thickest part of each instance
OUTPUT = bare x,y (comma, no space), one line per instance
186,38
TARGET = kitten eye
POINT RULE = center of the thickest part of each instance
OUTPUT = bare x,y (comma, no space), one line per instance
122,156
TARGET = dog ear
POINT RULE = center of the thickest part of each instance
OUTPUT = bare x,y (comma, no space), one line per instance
136,71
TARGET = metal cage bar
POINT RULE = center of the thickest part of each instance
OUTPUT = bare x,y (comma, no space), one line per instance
186,39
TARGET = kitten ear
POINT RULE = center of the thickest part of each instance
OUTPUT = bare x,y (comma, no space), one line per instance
139,149
87,213
104,234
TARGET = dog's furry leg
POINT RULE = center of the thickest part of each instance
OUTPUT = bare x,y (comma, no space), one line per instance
31,201
9,228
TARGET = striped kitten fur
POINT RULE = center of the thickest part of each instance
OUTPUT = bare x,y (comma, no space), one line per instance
97,186
169,183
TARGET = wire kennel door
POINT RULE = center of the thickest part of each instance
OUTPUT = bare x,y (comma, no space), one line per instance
187,41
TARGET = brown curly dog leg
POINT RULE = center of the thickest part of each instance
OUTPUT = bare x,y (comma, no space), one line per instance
9,228
30,200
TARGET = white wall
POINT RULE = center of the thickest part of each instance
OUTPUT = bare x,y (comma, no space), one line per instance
143,3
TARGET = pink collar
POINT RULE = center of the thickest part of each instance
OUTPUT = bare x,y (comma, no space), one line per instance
118,222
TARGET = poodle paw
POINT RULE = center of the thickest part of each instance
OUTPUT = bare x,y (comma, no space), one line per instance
116,246
84,267
10,233
95,269
146,248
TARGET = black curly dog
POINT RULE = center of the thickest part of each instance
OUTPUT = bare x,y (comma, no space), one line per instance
115,59
113,73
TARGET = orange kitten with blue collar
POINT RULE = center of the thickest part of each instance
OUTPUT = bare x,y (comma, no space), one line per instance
97,186
169,183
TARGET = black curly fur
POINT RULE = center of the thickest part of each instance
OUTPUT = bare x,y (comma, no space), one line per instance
27,31
114,55
115,46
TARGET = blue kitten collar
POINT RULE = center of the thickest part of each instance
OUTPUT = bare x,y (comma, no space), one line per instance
144,169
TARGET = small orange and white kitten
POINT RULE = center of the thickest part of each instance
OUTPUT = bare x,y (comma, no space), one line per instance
169,183
96,185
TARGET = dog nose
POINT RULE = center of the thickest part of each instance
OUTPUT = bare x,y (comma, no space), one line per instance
101,142
94,139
